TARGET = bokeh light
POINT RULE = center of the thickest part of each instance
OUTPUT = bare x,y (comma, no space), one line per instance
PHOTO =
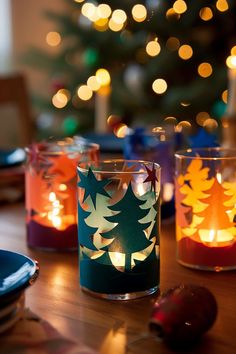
183,125
115,27
84,92
104,10
61,98
88,9
101,25
93,83
113,120
119,16
224,96
231,62
206,13
158,130
159,86
185,52
222,5
103,77
172,15
121,130
233,50
180,6
94,17
201,117
204,70
210,124
172,43
153,48
65,92
53,39
170,120
62,187
139,12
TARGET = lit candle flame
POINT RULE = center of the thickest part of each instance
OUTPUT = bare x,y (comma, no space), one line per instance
219,177
117,259
212,235
140,189
168,192
54,214
52,196
216,237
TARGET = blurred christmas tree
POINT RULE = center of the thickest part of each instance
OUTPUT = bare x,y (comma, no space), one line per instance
161,58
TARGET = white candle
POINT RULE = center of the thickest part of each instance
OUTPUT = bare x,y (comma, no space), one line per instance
102,109
229,119
231,106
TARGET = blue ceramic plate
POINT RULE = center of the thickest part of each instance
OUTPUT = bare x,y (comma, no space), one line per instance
16,273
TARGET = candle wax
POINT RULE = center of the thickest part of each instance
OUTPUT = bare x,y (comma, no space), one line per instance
197,254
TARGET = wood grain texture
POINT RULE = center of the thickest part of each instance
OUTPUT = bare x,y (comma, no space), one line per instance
113,327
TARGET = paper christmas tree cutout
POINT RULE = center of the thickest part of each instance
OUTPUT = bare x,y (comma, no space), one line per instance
119,252
215,215
195,183
152,217
98,218
212,204
230,190
92,186
129,236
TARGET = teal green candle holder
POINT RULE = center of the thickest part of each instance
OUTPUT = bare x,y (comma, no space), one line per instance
118,228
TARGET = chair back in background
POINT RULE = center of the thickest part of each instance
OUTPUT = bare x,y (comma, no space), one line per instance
14,93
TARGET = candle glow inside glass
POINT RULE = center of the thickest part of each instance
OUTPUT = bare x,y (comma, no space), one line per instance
50,179
205,197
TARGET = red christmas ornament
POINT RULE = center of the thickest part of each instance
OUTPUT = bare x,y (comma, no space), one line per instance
183,314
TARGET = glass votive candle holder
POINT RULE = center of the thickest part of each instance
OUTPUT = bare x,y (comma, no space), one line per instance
118,228
51,192
205,196
154,145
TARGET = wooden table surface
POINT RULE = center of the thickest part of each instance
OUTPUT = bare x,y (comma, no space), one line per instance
110,327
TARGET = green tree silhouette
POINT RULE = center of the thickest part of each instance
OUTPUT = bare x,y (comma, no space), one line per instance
129,235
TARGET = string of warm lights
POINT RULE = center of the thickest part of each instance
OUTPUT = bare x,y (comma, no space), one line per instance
103,18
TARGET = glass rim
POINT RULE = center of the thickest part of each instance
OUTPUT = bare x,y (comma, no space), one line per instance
83,147
112,162
183,154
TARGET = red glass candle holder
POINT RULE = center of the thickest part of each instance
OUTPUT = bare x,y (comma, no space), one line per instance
51,192
205,198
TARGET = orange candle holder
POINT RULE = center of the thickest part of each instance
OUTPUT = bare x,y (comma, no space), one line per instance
205,197
51,192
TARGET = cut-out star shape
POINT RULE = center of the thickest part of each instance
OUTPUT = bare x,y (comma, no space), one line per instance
126,176
92,186
151,177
